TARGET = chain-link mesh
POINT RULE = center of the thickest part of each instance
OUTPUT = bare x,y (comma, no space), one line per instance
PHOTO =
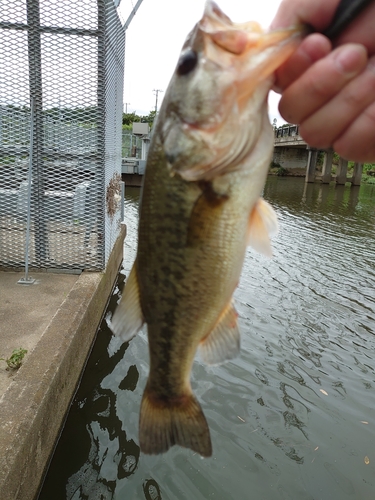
131,145
67,59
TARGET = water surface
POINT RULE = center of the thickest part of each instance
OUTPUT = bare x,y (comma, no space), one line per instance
293,417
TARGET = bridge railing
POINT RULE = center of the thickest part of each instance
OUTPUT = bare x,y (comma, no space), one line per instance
288,131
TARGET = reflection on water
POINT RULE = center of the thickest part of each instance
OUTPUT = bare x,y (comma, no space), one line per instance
294,416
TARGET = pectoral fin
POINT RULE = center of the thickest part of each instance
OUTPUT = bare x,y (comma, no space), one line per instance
262,225
128,318
223,343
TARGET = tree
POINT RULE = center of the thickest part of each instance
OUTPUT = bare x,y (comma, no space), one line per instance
129,118
149,118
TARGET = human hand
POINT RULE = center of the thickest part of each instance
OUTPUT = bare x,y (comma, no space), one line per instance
330,90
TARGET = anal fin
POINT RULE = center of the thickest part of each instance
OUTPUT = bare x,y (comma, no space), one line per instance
128,318
223,343
262,225
166,422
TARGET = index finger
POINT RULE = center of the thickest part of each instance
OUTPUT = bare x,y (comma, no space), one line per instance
312,48
317,13
320,13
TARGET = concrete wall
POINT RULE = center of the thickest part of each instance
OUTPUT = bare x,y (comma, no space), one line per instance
33,409
290,157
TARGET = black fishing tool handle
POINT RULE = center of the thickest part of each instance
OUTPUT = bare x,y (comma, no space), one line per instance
346,12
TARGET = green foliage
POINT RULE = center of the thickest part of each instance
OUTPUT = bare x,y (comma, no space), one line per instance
277,169
367,179
16,358
281,171
274,164
320,159
149,118
129,118
369,168
335,159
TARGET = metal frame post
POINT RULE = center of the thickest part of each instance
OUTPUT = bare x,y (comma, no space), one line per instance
27,280
35,76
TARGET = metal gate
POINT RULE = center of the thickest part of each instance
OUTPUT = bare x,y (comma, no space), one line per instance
61,86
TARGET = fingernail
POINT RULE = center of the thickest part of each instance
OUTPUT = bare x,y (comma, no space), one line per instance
350,59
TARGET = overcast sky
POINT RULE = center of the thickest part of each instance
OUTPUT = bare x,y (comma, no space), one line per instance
156,34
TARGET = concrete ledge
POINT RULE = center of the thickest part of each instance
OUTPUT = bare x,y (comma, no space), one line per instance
33,408
134,180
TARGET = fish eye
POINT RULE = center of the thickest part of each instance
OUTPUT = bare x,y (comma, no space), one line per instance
187,62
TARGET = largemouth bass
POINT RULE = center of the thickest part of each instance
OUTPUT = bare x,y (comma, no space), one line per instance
200,208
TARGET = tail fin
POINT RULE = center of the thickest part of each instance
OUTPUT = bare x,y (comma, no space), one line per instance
164,423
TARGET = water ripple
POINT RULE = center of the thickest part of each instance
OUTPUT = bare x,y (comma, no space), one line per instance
294,415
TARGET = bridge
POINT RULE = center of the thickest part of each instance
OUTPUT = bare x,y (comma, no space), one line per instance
292,151
289,136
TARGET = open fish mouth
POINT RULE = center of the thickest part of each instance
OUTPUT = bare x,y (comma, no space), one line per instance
229,69
245,51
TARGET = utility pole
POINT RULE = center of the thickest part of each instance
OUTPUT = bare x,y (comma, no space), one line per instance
126,106
156,92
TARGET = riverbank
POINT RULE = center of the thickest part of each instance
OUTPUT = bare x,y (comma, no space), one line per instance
279,171
135,180
56,320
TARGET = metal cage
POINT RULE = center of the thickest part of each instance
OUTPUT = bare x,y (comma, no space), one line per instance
61,87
